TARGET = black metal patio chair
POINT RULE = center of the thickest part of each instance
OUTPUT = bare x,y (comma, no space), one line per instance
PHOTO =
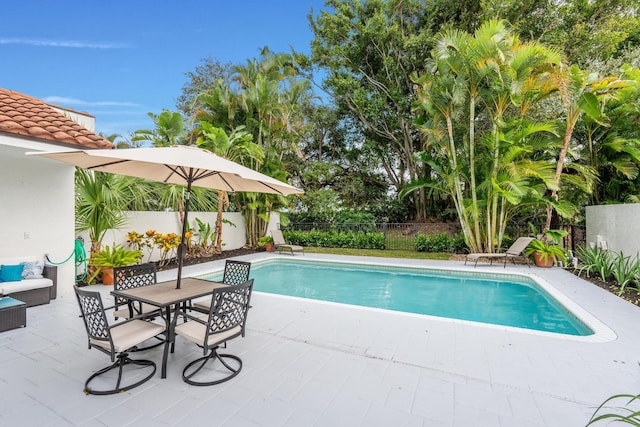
115,341
129,277
235,272
226,320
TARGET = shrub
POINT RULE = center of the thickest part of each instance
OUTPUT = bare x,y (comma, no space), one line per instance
609,265
440,242
336,239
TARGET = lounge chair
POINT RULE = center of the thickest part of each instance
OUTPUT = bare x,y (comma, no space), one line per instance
281,245
515,251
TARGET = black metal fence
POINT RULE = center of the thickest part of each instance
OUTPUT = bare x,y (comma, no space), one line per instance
398,236
402,236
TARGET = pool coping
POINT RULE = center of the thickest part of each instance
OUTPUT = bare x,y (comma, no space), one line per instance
601,332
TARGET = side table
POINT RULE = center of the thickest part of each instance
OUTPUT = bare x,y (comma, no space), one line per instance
13,313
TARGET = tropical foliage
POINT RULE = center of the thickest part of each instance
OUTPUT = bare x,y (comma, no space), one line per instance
261,112
336,239
439,242
610,266
100,202
627,411
470,111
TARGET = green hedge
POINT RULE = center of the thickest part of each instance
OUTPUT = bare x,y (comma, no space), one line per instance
440,242
336,239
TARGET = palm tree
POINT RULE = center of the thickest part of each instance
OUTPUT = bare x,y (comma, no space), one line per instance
612,148
265,102
101,199
582,93
491,79
169,130
237,147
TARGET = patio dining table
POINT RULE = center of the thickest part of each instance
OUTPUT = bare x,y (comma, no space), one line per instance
168,298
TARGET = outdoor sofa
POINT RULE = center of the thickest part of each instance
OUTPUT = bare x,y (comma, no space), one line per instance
37,282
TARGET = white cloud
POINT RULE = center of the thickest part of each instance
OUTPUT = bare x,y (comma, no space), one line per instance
61,100
62,43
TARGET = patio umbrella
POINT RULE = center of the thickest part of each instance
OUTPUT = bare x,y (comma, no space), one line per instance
178,164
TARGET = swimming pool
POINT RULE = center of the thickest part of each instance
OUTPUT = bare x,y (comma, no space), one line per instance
499,299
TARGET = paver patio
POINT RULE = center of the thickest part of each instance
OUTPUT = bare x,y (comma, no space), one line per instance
310,363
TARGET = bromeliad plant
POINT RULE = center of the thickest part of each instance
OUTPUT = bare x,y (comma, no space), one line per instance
595,262
113,256
608,265
548,248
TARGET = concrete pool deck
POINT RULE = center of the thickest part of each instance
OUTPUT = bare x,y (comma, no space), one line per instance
309,363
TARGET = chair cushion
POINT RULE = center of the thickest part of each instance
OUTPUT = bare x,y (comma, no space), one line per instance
203,304
124,312
194,331
130,334
7,288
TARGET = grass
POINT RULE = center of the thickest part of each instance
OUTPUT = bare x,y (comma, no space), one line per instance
388,253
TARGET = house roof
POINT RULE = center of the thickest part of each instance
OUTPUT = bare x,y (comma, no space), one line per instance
24,115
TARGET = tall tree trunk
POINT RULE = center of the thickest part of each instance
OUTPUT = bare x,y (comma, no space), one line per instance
217,247
572,119
472,167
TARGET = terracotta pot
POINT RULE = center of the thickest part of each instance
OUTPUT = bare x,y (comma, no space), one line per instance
107,275
269,247
541,261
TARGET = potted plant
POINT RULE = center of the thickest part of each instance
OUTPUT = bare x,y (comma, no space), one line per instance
547,250
114,256
267,243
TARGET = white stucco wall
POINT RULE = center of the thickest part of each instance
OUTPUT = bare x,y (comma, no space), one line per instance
233,230
617,225
233,237
36,205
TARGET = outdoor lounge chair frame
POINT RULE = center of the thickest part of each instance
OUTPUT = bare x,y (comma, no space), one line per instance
281,245
515,251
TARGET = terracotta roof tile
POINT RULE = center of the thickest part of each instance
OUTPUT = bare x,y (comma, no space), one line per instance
24,115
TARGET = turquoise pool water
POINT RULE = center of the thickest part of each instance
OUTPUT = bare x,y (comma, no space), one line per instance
507,300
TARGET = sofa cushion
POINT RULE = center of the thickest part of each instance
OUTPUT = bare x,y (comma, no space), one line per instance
7,288
19,259
32,269
11,273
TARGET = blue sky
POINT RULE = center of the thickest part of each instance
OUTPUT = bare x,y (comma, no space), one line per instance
119,60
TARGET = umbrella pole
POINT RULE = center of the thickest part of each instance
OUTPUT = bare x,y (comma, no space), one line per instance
182,249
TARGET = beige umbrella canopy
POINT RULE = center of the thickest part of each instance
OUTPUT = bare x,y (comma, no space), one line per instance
178,164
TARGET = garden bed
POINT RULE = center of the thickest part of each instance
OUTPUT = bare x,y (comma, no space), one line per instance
630,293
173,263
